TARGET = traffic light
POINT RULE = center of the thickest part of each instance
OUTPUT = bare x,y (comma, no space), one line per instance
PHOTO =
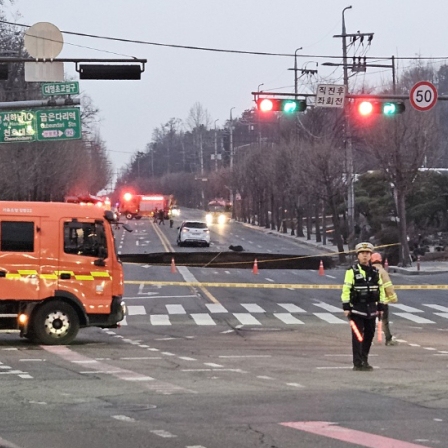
366,108
279,105
102,71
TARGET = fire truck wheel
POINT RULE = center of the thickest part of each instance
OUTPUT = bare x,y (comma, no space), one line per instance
55,323
129,215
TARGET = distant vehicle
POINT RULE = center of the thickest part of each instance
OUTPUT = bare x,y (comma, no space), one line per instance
89,199
196,232
218,211
136,206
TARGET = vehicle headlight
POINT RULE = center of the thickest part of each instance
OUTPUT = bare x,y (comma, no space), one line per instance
221,219
208,218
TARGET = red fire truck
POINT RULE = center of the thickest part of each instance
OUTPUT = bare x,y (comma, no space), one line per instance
135,206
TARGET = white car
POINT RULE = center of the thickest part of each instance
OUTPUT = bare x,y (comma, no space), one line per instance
193,232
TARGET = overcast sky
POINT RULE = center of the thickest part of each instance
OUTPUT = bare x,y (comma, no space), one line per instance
175,79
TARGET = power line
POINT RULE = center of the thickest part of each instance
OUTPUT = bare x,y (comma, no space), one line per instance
221,50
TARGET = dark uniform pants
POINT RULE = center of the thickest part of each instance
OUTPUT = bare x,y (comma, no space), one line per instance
361,349
386,327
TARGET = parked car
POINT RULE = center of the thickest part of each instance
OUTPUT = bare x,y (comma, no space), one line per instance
196,232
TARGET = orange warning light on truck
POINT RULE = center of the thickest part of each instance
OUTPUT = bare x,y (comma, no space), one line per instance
58,270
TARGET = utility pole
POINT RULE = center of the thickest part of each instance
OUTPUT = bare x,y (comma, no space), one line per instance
347,128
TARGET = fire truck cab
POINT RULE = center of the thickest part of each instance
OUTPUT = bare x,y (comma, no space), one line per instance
58,270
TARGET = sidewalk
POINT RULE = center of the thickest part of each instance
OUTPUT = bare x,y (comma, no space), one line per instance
426,267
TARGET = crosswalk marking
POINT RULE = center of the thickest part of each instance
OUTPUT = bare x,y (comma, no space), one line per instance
247,319
136,310
203,319
328,317
253,308
215,308
288,318
437,307
330,308
290,307
175,309
416,319
159,319
444,315
406,308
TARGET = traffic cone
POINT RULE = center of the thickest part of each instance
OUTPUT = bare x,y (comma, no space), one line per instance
255,269
386,265
173,266
321,268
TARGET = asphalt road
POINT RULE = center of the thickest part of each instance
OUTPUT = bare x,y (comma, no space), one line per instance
258,361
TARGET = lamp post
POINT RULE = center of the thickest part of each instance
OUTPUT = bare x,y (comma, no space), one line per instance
216,147
295,71
231,139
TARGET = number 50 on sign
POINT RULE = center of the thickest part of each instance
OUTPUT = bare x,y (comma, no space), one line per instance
423,96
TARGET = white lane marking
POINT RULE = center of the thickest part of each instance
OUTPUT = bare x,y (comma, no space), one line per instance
212,364
328,317
290,307
137,358
159,319
215,308
214,370
167,353
227,331
444,315
25,376
416,319
259,246
253,308
202,319
32,360
246,319
227,272
415,345
195,446
250,242
123,418
186,274
288,318
294,384
175,309
408,309
270,280
162,433
160,297
262,377
187,358
334,368
136,310
245,356
329,308
429,348
330,276
438,308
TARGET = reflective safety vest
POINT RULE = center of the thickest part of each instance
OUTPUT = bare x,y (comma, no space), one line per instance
362,290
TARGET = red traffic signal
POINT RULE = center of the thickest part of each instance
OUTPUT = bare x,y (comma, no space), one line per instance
287,106
366,108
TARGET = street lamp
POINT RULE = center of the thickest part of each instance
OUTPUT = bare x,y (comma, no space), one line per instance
216,147
231,139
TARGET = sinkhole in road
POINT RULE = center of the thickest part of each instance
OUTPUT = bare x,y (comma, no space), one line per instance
236,260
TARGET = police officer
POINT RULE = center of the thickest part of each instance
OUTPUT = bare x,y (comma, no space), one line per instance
362,301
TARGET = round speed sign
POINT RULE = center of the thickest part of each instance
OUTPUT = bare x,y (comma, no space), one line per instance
423,96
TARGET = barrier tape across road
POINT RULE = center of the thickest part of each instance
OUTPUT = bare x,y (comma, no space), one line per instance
269,285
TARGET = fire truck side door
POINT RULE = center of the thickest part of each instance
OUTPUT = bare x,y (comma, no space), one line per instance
85,264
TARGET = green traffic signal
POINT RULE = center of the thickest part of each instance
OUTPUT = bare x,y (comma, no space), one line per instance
278,105
367,108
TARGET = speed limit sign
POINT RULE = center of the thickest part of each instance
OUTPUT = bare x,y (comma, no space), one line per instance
423,95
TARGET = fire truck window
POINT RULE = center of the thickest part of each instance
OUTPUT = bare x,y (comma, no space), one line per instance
87,239
17,236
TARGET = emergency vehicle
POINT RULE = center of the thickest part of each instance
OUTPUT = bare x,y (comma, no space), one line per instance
89,199
218,211
136,206
59,270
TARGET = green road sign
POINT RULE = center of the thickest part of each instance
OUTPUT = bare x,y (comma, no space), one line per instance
17,126
58,124
41,125
60,88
